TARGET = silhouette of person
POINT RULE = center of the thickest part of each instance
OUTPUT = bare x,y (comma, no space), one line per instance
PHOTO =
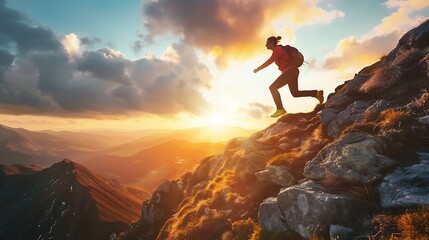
289,76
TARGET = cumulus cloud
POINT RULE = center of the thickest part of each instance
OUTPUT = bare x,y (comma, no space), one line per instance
71,44
353,53
231,28
41,73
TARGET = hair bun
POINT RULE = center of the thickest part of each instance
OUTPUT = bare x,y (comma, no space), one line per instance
279,38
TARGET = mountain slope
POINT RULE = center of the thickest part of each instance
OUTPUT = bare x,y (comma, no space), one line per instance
64,201
355,167
151,166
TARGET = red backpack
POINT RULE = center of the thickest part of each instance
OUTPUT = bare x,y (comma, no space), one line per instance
296,57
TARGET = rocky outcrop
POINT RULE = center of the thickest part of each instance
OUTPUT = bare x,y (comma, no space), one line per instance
376,120
308,209
354,158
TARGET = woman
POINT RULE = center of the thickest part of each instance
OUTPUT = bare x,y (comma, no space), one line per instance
289,76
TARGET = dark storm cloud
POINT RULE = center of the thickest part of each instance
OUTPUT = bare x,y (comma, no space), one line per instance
6,58
105,64
37,75
16,31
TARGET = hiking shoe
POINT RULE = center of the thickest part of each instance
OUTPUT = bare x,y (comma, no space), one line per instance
319,96
278,113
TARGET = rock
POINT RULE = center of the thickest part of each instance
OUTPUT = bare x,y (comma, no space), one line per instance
338,232
251,163
348,92
355,158
163,203
270,216
352,114
254,158
342,108
308,210
276,174
276,129
406,187
328,115
415,38
424,120
379,106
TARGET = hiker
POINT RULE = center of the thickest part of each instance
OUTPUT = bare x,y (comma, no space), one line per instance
289,75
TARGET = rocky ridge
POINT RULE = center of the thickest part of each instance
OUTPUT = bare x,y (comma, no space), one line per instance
312,175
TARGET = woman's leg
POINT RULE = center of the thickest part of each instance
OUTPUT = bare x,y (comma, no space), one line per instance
293,85
278,83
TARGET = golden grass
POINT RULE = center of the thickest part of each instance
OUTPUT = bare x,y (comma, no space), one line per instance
392,118
414,225
411,225
244,229
306,150
384,78
399,76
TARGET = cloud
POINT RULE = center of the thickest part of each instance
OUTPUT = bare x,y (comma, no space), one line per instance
231,28
71,44
90,41
353,53
256,110
41,73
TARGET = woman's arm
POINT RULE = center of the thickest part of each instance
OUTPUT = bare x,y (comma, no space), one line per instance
276,54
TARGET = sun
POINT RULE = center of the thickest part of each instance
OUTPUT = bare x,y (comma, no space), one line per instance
218,119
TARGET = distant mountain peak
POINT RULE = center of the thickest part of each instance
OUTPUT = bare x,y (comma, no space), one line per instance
65,201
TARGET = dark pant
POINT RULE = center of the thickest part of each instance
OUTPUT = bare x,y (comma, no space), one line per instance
289,77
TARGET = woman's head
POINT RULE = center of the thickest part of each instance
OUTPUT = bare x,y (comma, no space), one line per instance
272,42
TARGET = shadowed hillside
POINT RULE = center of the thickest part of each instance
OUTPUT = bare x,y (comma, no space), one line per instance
64,201
356,167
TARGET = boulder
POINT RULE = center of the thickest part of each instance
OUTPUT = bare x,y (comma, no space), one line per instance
406,187
308,210
251,163
352,114
328,115
338,232
255,156
354,158
277,175
424,120
270,216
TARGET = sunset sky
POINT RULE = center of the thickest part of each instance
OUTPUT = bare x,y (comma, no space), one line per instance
180,63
